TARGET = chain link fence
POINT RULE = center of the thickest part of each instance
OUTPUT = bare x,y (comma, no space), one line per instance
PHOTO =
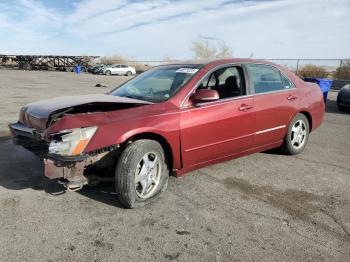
330,65
337,69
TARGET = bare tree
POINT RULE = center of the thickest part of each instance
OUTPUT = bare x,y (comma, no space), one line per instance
168,59
203,49
115,59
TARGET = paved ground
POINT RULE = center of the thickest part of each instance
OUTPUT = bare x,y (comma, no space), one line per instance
264,207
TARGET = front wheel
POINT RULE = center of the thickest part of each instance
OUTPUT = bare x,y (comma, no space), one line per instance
297,136
142,173
129,73
108,73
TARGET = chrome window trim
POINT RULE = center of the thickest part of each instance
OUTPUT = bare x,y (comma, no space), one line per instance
275,91
217,102
229,99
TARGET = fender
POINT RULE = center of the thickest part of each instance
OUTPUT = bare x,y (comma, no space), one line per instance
172,140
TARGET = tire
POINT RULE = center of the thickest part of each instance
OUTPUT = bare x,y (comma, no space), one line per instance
342,108
129,73
108,73
134,188
297,135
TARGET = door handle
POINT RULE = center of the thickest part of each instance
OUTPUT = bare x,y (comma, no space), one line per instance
291,98
245,107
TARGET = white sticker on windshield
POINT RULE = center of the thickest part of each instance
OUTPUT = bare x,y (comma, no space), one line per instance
187,70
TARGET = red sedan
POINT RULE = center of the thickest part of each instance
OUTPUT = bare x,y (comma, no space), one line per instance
170,120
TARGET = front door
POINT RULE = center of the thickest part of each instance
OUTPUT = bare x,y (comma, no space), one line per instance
221,128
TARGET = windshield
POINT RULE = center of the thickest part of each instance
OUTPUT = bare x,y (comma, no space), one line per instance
158,84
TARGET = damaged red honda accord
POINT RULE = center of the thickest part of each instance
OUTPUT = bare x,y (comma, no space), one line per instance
170,120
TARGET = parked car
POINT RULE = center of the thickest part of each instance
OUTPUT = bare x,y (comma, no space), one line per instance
100,70
95,69
119,69
343,99
170,120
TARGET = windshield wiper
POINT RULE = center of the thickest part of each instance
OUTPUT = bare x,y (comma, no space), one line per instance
132,97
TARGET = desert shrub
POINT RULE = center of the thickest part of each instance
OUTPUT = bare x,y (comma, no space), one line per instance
343,72
312,71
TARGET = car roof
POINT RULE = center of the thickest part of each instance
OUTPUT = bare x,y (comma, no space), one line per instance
205,62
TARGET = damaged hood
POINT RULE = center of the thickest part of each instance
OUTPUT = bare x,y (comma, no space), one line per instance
37,114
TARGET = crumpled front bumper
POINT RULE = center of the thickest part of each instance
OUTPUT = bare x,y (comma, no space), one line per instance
56,166
30,139
69,170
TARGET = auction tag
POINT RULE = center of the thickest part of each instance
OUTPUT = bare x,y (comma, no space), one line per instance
187,70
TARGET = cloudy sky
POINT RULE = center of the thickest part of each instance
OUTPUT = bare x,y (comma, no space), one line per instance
154,29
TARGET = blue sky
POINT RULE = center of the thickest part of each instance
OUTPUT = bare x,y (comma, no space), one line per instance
154,29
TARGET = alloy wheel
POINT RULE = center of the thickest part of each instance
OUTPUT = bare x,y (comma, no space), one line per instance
298,134
147,175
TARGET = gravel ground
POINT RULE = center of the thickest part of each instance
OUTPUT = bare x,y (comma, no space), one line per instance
18,88
263,207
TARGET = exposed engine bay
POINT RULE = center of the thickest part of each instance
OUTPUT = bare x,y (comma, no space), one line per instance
63,152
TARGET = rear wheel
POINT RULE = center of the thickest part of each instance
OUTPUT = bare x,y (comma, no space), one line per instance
108,73
342,108
142,173
297,136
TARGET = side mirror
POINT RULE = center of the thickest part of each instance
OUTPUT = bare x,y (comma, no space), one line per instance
204,96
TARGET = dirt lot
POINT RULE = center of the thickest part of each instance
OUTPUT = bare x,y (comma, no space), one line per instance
264,207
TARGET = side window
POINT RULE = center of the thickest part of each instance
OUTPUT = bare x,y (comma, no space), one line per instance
211,81
287,84
267,79
228,82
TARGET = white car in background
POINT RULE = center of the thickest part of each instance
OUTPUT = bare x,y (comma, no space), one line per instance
119,69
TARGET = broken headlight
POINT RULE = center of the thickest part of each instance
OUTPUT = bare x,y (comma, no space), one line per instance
71,142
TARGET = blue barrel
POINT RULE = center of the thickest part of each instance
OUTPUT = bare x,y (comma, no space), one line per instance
77,69
324,83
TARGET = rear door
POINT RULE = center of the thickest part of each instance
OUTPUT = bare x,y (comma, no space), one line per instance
123,69
221,128
276,101
116,70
